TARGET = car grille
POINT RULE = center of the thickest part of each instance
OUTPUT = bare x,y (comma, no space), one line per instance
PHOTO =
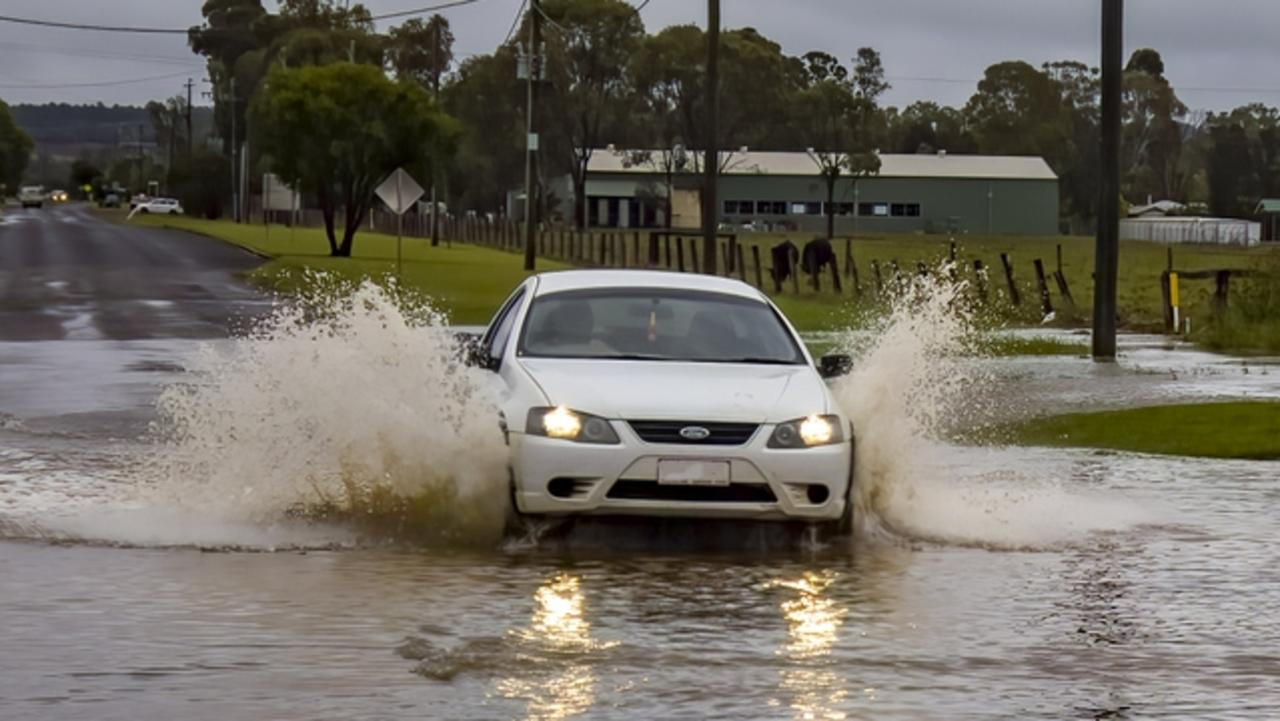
720,434
732,493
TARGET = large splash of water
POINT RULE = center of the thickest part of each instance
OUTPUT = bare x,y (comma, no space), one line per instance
348,405
916,382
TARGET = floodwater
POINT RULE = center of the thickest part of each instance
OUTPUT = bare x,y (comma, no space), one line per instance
164,579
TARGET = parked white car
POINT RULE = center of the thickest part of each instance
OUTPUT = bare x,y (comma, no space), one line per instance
163,206
664,394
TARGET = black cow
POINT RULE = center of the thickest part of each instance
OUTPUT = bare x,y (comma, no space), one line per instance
786,259
817,255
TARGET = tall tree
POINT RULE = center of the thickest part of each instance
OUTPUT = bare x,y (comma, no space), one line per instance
15,150
926,127
485,97
1152,143
340,129
829,114
422,51
590,44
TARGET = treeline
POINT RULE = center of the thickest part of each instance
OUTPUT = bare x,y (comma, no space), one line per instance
609,81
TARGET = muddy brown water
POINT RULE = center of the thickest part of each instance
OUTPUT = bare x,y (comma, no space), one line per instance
1044,584
1005,584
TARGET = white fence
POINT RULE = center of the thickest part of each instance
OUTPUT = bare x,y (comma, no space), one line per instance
1211,231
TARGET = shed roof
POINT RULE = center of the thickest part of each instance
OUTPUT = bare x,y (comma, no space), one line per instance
892,165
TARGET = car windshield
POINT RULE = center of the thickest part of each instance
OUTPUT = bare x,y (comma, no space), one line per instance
658,324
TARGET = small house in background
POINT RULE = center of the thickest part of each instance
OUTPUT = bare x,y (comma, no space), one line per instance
1268,212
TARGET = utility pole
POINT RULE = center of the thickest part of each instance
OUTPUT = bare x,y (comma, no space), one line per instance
1107,248
435,97
235,168
190,136
711,157
533,69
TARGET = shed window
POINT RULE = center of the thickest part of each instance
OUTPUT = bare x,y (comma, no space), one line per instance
876,209
841,208
771,207
736,207
905,210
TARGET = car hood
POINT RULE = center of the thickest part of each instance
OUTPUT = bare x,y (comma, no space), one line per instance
661,390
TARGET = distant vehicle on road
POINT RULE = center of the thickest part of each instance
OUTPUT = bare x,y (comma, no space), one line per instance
58,196
663,394
111,200
31,196
162,206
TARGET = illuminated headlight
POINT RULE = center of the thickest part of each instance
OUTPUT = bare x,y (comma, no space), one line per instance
807,432
560,422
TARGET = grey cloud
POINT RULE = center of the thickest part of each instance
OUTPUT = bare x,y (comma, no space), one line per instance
1212,45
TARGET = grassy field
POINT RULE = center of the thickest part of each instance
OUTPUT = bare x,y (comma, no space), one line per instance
470,281
1213,430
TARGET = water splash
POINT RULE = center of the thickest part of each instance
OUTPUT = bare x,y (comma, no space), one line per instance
348,405
916,383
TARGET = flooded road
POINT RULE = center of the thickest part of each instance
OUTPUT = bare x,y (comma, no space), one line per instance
1009,584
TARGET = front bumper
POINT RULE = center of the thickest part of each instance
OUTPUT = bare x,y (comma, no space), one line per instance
557,477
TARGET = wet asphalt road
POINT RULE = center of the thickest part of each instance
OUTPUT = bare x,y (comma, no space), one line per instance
66,274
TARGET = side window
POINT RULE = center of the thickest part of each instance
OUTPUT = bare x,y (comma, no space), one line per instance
495,341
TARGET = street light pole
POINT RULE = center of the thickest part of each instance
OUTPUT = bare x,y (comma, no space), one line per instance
533,68
1107,248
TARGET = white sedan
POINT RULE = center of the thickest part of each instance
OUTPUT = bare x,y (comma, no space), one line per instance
664,394
162,206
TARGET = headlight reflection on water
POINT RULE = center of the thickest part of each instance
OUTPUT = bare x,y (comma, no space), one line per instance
813,623
561,680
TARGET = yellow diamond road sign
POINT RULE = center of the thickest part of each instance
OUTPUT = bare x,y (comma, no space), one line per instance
399,191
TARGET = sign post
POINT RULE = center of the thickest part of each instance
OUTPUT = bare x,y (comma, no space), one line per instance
399,191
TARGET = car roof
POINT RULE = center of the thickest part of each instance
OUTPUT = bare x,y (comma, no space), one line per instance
565,280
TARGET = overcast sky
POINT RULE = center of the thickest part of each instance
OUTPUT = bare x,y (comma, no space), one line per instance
1217,54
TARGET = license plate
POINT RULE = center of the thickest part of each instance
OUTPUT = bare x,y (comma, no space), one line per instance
693,473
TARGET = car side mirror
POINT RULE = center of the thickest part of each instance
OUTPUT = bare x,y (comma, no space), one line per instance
835,365
474,353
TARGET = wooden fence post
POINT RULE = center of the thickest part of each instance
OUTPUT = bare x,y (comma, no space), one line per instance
622,251
653,249
848,255
1166,302
1221,281
1064,290
980,283
680,254
666,251
741,266
728,258
835,276
693,256
635,249
755,257
1046,303
1014,296
875,269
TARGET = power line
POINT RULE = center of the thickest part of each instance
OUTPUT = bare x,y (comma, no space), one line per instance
86,26
515,22
101,54
184,31
102,84
420,11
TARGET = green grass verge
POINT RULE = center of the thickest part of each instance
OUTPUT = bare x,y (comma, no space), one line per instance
470,281
1243,429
